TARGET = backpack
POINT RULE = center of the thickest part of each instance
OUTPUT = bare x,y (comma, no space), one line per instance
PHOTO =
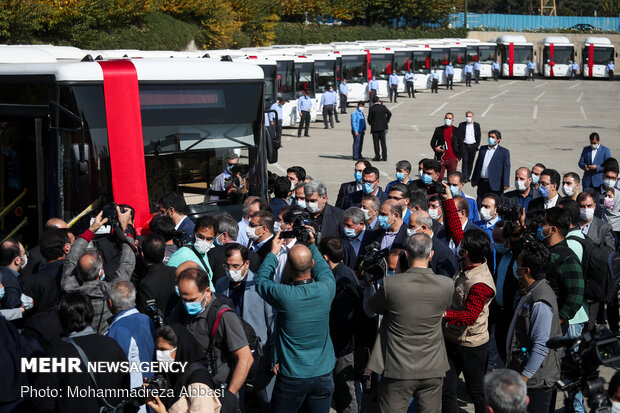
214,318
597,269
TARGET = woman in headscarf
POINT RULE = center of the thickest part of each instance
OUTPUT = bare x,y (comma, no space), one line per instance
175,343
41,325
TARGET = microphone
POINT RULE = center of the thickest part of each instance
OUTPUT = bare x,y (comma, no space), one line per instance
560,342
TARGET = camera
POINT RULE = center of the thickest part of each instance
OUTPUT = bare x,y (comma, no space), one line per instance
155,385
511,214
300,219
153,311
373,264
582,357
436,187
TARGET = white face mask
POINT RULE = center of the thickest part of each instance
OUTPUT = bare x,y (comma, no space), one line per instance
595,145
235,275
586,214
251,233
486,214
520,186
292,186
447,121
568,190
411,232
203,246
313,207
366,214
163,356
469,119
25,261
276,227
433,212
615,407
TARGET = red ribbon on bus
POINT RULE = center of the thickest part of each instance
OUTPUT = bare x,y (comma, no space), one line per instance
511,58
368,64
590,59
551,62
124,121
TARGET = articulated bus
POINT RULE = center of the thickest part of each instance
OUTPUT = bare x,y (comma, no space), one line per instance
515,53
354,67
556,55
485,54
597,52
78,134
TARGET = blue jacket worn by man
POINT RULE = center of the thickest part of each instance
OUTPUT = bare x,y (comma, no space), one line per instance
134,332
358,122
593,179
498,169
303,346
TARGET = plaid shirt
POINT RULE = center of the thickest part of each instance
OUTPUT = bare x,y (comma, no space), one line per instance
452,221
477,297
566,279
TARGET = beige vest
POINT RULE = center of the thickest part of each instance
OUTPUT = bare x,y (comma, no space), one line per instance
478,333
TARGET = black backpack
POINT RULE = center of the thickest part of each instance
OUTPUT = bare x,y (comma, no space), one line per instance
214,318
597,269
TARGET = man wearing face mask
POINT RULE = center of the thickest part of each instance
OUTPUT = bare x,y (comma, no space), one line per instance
196,250
431,170
610,179
328,219
492,170
373,87
457,182
443,261
240,286
446,143
356,235
469,135
221,182
358,127
591,161
524,190
352,186
400,193
13,259
548,186
88,264
328,106
174,205
488,213
391,231
370,207
378,118
535,321
571,185
260,232
403,171
600,232
370,187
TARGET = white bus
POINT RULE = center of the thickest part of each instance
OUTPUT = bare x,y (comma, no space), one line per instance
485,54
597,52
440,56
515,53
325,73
354,67
458,57
556,55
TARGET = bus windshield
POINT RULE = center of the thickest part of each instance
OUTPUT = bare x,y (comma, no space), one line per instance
422,62
472,53
522,54
602,55
325,73
353,68
304,78
284,80
439,57
381,65
561,54
487,54
270,75
457,56
403,62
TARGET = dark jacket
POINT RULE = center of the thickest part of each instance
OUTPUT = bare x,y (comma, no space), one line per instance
12,289
438,140
499,168
514,197
276,205
463,129
35,259
351,259
400,240
53,270
354,199
217,259
331,225
444,261
263,250
601,232
378,118
157,284
341,316
187,228
345,189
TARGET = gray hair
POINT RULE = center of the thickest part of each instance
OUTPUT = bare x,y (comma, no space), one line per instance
231,155
315,186
226,223
419,246
505,391
245,209
374,201
354,214
123,295
309,178
406,165
90,274
422,218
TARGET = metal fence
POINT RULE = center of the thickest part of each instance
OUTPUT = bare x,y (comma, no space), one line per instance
519,22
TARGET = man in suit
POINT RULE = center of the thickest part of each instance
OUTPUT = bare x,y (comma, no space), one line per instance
411,325
548,186
599,231
443,261
469,137
13,259
524,190
392,231
260,233
240,286
281,191
173,204
492,170
328,219
591,161
357,236
370,187
446,144
158,282
352,186
378,119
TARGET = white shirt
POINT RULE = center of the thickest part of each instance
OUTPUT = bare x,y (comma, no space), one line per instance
586,228
550,203
492,222
176,227
470,137
242,237
282,258
451,244
484,172
388,240
594,151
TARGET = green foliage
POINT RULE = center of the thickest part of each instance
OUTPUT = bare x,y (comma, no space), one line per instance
19,20
299,33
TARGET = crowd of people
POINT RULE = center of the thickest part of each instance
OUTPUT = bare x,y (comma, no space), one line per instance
307,303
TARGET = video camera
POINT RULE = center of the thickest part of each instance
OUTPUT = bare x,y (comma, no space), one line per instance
436,188
154,385
582,358
511,214
153,311
373,264
300,220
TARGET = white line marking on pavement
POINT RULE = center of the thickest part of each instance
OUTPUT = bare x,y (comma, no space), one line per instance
438,109
383,174
415,127
541,85
396,105
583,112
503,93
487,111
279,168
539,96
507,84
535,114
580,96
460,93
575,85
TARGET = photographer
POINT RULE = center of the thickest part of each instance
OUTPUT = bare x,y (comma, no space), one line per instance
163,225
158,282
219,186
535,321
89,265
431,174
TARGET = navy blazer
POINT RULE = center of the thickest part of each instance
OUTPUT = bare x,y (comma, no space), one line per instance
499,168
350,257
593,179
345,189
12,289
354,199
331,226
187,228
444,261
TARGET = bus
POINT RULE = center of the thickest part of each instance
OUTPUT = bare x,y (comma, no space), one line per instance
556,55
354,67
440,56
403,62
269,70
485,54
303,67
325,73
381,65
285,88
458,57
79,134
597,52
422,67
515,53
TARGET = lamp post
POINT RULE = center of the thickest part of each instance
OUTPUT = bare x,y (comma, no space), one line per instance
465,16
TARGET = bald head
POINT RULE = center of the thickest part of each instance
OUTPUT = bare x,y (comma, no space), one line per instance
55,223
300,261
90,265
422,220
184,266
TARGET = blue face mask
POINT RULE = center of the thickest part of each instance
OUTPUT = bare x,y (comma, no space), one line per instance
427,179
454,189
102,277
1,293
229,168
358,176
400,176
514,268
491,141
194,308
383,222
543,191
500,248
176,290
368,188
535,179
301,203
349,233
390,272
217,242
539,234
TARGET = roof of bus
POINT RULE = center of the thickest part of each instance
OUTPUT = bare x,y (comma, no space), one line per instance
60,52
563,40
513,38
147,70
323,56
601,41
410,49
257,60
18,54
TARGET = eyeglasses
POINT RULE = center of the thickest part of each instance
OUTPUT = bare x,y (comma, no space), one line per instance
359,170
541,183
395,198
368,182
254,225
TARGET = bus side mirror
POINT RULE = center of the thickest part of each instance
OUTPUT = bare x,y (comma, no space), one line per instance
81,154
534,52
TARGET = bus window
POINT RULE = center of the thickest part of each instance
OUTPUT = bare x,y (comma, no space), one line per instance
381,65
522,54
402,62
602,55
304,78
354,68
422,62
270,73
457,56
562,55
325,73
440,58
487,54
284,87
